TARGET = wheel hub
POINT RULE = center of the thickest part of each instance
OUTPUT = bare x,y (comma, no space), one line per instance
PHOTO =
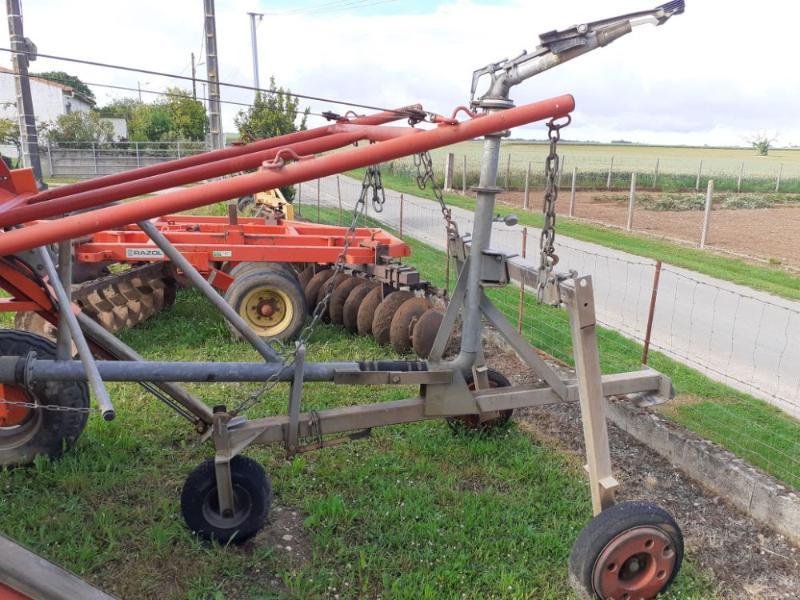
267,311
635,564
12,415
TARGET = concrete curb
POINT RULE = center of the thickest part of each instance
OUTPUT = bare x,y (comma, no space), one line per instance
748,489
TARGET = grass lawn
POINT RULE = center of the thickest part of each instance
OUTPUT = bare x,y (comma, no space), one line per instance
413,512
760,277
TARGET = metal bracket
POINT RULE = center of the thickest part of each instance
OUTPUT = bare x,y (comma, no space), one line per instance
295,398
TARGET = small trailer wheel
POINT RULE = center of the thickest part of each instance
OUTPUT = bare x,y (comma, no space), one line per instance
200,504
26,433
629,551
473,422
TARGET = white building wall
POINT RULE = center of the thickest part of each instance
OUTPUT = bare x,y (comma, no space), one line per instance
49,101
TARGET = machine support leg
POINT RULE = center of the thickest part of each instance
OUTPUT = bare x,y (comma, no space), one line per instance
222,464
580,304
160,240
450,315
64,340
295,397
65,315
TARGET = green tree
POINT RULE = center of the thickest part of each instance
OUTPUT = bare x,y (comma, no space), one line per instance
69,80
762,143
177,116
188,116
121,108
79,127
273,113
9,134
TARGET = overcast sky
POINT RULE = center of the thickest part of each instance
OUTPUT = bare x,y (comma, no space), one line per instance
715,75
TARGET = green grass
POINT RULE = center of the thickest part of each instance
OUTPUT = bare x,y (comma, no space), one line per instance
412,512
760,277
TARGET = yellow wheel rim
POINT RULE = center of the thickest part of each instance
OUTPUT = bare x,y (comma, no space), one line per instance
268,311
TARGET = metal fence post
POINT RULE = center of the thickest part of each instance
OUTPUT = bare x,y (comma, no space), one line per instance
318,184
655,173
778,179
739,181
402,202
651,313
572,191
610,170
521,308
508,169
464,177
49,157
138,158
707,213
94,157
339,194
699,171
527,198
179,148
631,201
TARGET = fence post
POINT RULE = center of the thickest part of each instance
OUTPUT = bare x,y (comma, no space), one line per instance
138,158
572,192
707,213
739,181
651,313
402,202
464,177
339,194
527,198
610,169
179,148
508,169
699,171
777,180
94,156
560,171
318,184
449,167
631,201
50,157
520,310
655,173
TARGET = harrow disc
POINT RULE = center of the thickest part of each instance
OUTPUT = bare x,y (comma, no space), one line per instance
404,321
353,304
313,286
424,332
366,312
305,275
382,321
339,297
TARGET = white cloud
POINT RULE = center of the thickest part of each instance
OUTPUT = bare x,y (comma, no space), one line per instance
713,75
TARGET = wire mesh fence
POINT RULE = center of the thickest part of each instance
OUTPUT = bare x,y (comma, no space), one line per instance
731,352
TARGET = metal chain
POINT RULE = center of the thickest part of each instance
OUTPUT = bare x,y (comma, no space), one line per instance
424,164
50,407
369,183
372,179
547,252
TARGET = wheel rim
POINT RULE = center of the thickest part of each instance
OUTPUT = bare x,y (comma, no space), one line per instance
243,503
474,421
18,424
638,563
267,311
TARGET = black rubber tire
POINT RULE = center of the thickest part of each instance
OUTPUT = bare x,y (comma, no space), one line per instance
382,321
609,524
245,204
253,493
243,268
473,422
46,432
424,332
403,322
366,312
339,297
313,286
238,291
353,303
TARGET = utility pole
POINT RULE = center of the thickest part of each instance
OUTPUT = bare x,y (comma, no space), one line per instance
212,74
27,121
254,43
194,78
139,87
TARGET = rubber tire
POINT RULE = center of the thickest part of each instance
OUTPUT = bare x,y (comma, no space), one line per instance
339,297
313,286
609,524
245,204
400,330
54,431
353,303
382,321
240,287
425,330
366,312
249,478
243,268
472,422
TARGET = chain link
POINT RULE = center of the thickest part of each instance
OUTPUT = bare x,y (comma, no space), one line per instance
50,407
547,252
424,164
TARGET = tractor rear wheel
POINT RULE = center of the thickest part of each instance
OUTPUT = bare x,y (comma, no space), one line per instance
27,432
270,302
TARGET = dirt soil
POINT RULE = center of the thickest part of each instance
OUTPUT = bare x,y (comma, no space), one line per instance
765,233
746,559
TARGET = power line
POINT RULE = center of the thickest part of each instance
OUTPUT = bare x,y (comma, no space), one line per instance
186,78
328,7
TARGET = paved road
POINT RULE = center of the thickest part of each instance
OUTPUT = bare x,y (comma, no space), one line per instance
747,339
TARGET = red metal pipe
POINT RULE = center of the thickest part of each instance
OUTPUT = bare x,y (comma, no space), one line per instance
115,216
207,157
99,197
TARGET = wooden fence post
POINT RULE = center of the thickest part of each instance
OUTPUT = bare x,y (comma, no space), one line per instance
651,312
572,192
610,169
508,170
521,307
699,171
527,199
318,184
707,213
631,201
49,156
739,181
401,215
449,167
655,173
339,194
464,177
778,179
94,156
560,171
